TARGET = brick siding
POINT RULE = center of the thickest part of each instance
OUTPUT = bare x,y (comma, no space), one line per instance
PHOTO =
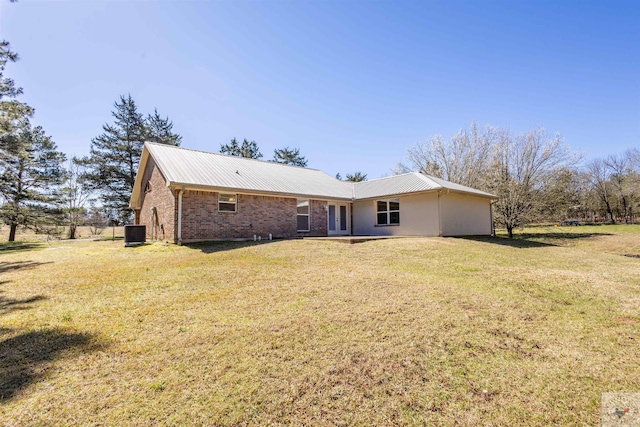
318,213
259,215
163,199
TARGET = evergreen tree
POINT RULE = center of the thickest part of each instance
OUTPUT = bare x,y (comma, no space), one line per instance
160,130
289,156
31,170
247,149
7,85
115,155
12,112
357,177
231,149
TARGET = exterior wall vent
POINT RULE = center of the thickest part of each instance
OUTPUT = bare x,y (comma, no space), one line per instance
135,235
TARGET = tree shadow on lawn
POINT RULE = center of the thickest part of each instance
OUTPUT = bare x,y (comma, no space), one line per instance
7,305
212,247
535,240
20,246
7,266
25,358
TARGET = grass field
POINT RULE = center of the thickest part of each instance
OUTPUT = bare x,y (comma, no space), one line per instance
83,232
422,331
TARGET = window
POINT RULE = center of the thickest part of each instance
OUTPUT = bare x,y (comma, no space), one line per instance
303,215
388,212
227,202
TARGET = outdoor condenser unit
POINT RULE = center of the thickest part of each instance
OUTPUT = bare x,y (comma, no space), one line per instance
135,235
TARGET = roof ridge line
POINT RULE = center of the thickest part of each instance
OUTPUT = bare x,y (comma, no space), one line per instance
386,177
231,156
427,178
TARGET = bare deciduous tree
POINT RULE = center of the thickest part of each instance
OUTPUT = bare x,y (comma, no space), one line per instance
532,174
76,194
623,175
96,219
463,159
521,167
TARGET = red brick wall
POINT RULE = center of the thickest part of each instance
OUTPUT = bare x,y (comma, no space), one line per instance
258,215
201,220
318,219
163,199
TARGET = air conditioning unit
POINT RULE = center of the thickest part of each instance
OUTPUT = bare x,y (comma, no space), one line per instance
135,235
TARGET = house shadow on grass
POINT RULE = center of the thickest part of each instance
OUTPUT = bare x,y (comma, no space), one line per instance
505,241
212,247
25,358
535,240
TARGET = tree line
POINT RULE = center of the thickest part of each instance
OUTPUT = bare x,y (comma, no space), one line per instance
534,174
41,189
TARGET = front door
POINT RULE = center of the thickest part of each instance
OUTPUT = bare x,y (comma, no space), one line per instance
338,217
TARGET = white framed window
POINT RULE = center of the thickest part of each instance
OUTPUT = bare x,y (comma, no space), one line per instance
227,202
303,216
388,212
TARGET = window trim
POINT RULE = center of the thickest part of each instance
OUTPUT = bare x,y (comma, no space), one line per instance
308,214
235,203
388,212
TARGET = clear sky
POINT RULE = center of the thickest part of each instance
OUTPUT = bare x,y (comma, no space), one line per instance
351,83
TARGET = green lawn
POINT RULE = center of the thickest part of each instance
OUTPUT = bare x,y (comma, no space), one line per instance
421,331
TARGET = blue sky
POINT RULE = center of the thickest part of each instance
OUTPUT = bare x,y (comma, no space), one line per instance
352,84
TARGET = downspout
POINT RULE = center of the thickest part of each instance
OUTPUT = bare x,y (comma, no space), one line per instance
439,219
180,216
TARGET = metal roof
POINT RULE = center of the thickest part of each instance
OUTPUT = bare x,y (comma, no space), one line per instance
199,169
460,188
187,167
412,182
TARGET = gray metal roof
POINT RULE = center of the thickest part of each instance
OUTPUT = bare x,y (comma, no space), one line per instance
199,169
412,182
398,184
461,188
187,167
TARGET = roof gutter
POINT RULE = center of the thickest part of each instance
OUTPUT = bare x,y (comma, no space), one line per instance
236,190
439,215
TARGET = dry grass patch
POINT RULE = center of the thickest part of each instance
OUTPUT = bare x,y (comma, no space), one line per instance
394,332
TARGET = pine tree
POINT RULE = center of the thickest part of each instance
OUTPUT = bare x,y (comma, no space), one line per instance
289,156
160,130
7,85
115,155
357,177
12,112
231,149
247,149
31,170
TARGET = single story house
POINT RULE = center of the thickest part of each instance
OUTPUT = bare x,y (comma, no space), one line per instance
185,195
